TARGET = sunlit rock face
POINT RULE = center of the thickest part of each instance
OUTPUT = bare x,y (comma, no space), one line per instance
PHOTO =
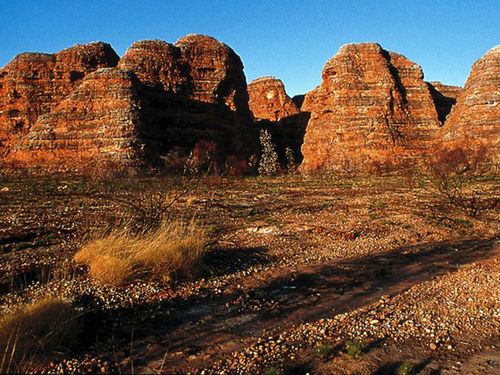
100,121
33,84
372,106
475,119
269,100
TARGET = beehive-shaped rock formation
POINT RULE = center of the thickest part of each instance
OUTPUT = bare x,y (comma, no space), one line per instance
99,122
161,96
33,84
372,106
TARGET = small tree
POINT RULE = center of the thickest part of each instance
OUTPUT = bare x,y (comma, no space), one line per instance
291,164
268,164
452,173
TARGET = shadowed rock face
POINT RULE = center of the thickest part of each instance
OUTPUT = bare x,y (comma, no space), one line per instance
193,90
269,100
372,106
445,97
32,84
475,119
276,112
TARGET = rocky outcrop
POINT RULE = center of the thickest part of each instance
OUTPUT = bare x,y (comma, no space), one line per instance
99,122
160,97
445,97
32,84
268,99
372,106
308,103
475,119
193,90
276,112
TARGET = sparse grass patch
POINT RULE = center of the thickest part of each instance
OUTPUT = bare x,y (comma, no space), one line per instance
325,351
272,371
40,327
122,257
406,368
355,349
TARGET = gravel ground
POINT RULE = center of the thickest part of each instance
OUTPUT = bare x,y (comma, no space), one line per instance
293,266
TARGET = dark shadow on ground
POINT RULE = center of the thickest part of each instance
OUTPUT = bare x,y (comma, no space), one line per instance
218,262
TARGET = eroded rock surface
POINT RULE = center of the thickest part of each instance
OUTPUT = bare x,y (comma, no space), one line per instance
99,122
216,73
269,100
372,106
475,119
33,84
157,64
160,97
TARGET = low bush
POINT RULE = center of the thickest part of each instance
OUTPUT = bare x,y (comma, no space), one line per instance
122,256
406,368
325,351
355,349
38,328
143,203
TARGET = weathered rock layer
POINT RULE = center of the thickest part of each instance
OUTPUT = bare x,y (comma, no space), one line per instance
33,84
372,106
99,122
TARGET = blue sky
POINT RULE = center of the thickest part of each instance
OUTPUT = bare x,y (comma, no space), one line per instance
289,39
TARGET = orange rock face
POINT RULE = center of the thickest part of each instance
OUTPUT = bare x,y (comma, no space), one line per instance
372,106
32,84
161,96
99,121
269,100
475,119
445,97
157,64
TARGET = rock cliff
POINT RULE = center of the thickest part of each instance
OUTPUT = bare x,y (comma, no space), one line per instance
475,119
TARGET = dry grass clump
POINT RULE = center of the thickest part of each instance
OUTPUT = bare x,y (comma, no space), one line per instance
122,257
40,327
